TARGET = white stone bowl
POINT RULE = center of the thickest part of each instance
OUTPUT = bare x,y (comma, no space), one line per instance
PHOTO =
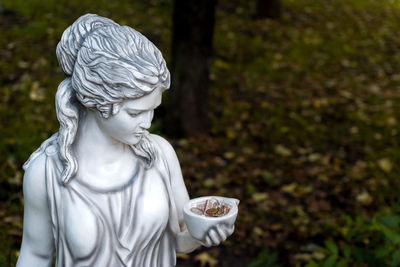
198,225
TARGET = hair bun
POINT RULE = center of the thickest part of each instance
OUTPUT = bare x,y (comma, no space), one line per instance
74,36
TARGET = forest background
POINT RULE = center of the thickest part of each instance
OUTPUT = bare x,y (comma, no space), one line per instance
304,123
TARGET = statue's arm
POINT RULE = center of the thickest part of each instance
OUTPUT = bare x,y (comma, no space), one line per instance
37,247
185,243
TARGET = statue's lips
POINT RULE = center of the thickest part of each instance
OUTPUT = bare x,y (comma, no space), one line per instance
139,134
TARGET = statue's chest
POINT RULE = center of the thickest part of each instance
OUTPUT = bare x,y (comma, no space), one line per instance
103,221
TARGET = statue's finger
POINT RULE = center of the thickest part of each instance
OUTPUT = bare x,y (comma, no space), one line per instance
229,231
222,232
208,242
214,237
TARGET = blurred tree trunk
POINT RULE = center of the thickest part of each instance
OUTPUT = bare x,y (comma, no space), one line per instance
187,101
268,9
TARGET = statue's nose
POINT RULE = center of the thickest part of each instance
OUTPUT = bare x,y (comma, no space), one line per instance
147,117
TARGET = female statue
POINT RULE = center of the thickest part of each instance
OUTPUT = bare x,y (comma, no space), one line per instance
103,191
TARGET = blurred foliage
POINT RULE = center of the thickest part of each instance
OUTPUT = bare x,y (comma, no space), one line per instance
375,241
305,123
265,259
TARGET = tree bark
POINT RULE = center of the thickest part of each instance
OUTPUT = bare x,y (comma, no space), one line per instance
268,9
187,101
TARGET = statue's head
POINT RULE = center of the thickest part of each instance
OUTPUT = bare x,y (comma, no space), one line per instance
108,67
109,63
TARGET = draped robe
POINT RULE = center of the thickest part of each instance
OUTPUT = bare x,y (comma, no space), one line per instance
134,225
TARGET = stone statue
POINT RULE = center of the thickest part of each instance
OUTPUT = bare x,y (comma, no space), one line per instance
103,191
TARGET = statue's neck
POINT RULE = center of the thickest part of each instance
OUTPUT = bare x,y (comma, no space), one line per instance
103,162
93,146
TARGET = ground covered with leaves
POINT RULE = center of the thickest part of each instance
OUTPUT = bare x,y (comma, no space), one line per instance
305,117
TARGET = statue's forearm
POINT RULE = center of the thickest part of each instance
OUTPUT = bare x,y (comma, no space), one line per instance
29,258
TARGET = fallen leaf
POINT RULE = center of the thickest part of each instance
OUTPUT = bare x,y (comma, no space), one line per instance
385,164
282,150
182,256
205,259
318,255
364,198
36,93
314,157
259,197
290,188
392,121
229,155
258,231
275,227
303,256
209,182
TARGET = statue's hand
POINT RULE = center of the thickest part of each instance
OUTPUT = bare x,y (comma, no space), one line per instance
217,234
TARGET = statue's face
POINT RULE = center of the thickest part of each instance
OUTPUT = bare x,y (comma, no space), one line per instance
133,118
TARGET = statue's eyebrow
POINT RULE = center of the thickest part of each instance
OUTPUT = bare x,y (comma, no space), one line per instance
132,110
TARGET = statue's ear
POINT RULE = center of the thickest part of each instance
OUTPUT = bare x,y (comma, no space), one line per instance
115,108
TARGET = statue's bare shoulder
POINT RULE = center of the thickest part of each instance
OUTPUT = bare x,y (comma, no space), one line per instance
165,147
170,156
34,185
37,242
